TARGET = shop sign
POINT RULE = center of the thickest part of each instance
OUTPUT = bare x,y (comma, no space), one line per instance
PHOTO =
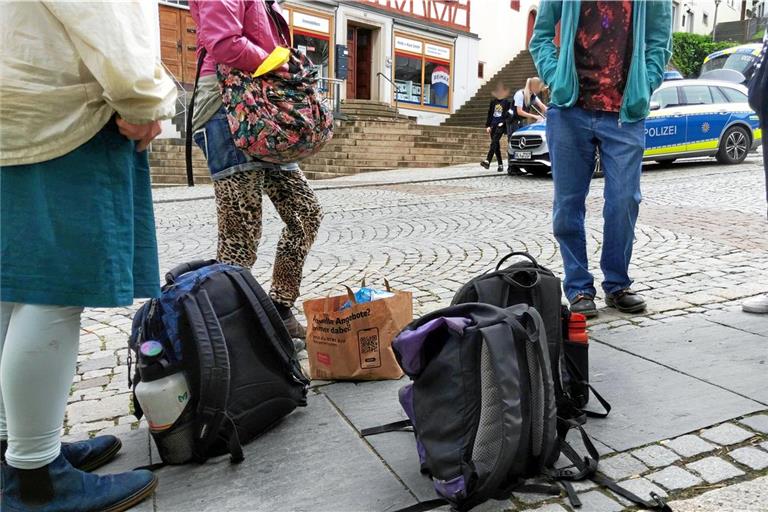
408,45
309,22
439,52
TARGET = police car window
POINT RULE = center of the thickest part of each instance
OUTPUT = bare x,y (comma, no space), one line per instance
697,95
666,97
717,95
733,95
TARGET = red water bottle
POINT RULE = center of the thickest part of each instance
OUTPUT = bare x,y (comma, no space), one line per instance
576,349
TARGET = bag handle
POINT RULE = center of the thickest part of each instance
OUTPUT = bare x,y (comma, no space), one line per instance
178,271
377,273
279,21
190,115
517,253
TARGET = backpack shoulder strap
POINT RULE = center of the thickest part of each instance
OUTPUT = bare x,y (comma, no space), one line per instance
214,374
270,320
397,426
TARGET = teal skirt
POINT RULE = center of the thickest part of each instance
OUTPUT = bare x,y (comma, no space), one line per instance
79,230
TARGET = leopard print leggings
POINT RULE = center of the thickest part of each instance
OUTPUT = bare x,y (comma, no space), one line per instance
238,207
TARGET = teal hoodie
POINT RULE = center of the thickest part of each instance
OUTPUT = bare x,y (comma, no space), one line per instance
652,48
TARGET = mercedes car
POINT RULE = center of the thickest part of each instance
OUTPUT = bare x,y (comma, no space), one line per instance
688,118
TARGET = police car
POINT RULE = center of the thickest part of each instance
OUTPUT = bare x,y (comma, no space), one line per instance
689,118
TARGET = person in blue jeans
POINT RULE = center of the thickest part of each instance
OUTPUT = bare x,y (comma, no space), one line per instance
612,58
758,93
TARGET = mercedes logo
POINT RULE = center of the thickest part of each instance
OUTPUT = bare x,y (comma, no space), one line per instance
522,142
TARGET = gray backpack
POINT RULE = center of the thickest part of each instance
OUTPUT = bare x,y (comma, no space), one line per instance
482,404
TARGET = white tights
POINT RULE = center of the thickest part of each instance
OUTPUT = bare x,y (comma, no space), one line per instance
38,356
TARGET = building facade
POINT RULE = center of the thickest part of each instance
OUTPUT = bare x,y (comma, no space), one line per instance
427,57
700,16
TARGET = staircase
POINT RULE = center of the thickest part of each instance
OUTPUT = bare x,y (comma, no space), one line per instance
372,137
474,112
375,137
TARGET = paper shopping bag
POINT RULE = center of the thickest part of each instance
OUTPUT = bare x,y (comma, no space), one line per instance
356,343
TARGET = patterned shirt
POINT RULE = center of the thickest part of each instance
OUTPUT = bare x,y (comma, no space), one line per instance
603,53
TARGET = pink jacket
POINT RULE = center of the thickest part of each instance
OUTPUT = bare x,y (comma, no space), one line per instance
239,33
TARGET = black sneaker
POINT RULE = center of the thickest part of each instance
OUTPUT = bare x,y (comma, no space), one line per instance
485,164
295,329
584,304
500,168
626,301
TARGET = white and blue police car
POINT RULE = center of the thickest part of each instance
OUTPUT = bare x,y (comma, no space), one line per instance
689,118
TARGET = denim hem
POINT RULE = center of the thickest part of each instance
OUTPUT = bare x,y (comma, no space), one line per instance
253,166
586,293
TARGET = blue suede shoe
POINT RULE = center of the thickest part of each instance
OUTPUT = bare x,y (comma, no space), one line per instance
87,455
61,488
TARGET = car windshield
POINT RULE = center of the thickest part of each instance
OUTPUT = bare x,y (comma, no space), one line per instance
740,62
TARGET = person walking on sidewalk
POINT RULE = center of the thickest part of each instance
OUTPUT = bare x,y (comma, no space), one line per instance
612,58
242,34
758,99
495,124
79,86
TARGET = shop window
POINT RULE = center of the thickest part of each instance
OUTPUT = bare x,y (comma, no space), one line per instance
408,78
423,73
316,47
437,83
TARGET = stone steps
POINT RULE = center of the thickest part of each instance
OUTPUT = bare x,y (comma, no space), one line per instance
373,137
513,75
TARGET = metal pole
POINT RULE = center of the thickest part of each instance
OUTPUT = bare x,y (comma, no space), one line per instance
714,23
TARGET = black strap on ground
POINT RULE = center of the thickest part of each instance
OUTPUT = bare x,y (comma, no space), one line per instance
151,467
573,498
190,114
397,426
658,502
603,402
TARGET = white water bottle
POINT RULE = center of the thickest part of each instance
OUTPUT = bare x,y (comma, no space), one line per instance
163,396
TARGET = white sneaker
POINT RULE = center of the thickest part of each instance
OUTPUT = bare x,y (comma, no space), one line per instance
757,304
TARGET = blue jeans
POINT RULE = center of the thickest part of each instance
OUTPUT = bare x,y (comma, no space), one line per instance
573,134
223,157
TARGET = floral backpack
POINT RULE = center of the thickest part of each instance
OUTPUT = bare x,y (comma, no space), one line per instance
279,117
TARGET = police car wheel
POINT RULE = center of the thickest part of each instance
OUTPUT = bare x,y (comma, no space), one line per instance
734,146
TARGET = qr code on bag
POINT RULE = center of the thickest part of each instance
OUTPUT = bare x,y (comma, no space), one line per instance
369,348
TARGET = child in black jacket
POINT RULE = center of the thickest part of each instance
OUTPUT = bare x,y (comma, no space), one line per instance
495,124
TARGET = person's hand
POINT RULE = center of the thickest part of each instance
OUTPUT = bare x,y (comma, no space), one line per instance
488,130
537,118
143,134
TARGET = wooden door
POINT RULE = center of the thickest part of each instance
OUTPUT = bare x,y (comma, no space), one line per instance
531,23
170,40
189,50
351,63
178,43
364,64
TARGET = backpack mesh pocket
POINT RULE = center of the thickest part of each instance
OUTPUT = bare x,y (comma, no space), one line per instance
537,400
486,451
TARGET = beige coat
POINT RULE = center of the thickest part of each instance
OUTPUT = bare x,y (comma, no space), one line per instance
67,67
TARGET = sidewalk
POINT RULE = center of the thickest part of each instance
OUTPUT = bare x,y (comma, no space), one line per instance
667,383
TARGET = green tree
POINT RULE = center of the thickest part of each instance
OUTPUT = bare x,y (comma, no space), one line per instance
690,50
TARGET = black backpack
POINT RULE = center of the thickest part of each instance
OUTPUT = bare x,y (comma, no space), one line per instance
219,326
483,406
527,282
758,84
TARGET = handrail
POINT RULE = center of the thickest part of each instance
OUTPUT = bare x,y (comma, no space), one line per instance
331,87
394,85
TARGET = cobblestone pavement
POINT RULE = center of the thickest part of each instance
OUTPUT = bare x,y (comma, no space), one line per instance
702,246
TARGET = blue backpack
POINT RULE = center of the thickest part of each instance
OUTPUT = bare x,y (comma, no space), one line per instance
219,326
